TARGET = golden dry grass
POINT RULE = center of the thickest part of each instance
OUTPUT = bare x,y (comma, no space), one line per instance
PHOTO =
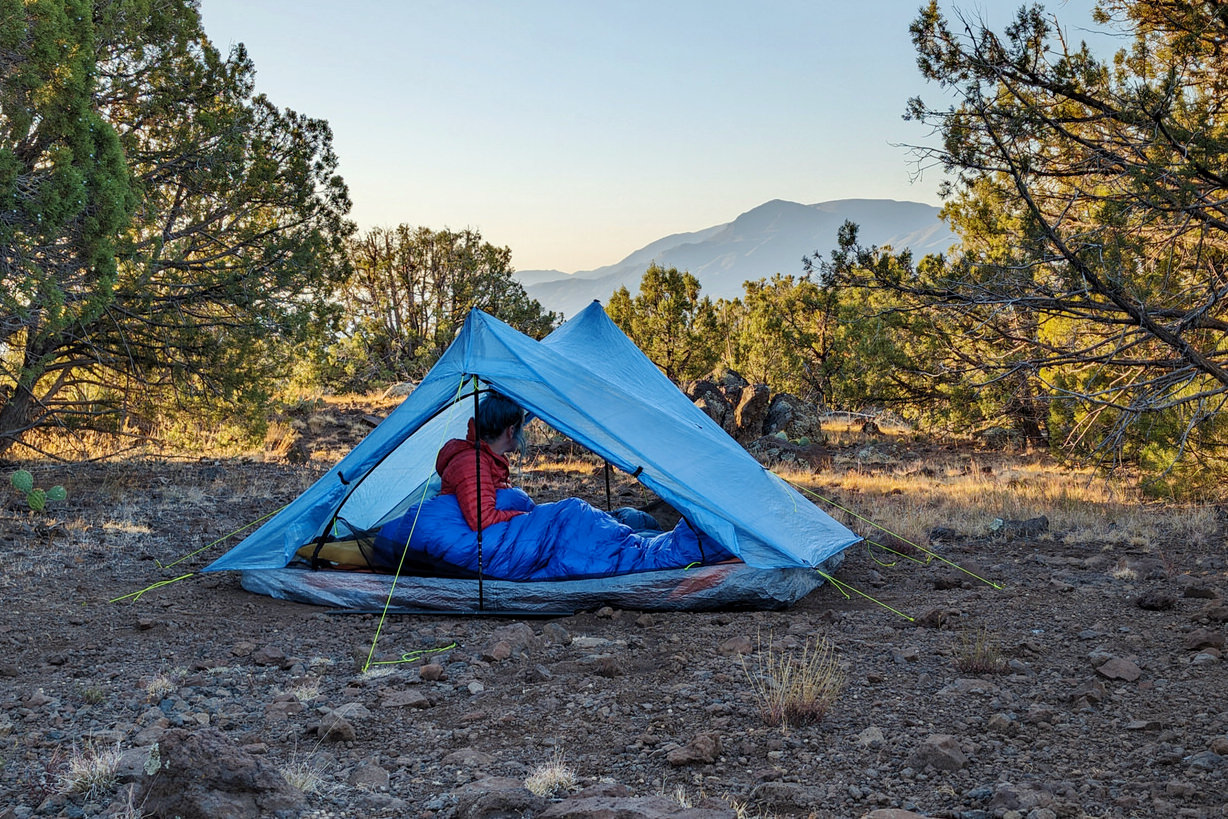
306,775
966,492
887,480
551,778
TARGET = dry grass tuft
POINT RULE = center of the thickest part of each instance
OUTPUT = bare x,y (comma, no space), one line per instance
164,683
978,653
90,770
742,810
551,777
305,775
795,689
683,798
280,439
305,691
158,687
376,672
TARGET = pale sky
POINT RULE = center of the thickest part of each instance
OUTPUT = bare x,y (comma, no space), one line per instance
577,131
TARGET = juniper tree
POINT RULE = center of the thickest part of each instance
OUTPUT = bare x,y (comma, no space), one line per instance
408,292
669,320
1090,192
168,231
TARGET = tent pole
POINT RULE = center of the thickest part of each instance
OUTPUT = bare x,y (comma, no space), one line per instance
477,463
609,503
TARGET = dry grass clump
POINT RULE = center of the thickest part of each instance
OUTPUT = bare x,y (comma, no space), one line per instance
978,653
90,770
551,777
743,810
792,688
843,429
280,439
375,672
307,773
304,775
682,797
305,691
162,684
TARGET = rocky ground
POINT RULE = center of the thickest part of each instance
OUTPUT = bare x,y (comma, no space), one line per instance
1109,700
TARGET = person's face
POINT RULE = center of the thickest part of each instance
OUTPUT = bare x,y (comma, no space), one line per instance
511,438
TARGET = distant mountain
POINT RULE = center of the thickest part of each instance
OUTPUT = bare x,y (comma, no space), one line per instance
769,239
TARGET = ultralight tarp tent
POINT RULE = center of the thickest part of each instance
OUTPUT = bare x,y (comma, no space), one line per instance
588,381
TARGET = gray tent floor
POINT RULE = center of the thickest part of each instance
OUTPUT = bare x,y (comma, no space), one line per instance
732,585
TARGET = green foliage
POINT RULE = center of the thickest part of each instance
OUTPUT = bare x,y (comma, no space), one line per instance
670,322
1087,194
840,338
406,294
172,231
783,335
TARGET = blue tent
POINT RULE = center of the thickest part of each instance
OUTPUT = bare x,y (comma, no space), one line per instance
590,382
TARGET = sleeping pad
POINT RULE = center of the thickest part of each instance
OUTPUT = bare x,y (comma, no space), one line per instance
566,539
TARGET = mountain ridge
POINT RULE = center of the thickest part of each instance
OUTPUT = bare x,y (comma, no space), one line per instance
768,239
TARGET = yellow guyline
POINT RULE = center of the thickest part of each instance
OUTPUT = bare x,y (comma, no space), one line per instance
411,656
136,595
845,588
932,555
840,585
379,627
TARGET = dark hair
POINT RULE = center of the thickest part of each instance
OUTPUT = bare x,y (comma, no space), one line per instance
495,414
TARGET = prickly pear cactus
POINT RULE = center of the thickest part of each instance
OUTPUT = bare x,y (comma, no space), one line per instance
37,499
22,481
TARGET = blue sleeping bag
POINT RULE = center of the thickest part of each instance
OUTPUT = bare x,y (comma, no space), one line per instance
566,539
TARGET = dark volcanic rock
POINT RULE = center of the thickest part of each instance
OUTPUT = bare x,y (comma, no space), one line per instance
750,412
792,416
202,774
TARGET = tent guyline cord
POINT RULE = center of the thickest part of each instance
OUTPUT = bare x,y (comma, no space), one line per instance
931,554
845,588
136,595
840,585
412,656
379,627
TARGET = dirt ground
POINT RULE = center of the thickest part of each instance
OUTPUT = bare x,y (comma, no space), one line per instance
1111,698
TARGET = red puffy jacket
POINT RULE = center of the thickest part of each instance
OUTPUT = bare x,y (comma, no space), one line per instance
458,473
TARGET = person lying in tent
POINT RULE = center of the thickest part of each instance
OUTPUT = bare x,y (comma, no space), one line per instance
522,540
